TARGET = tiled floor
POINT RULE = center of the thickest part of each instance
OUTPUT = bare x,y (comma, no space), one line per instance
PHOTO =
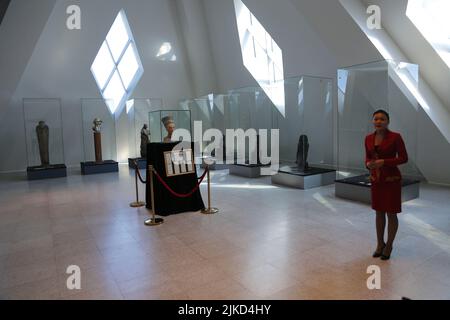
267,242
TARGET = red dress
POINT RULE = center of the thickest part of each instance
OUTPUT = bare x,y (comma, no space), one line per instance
386,186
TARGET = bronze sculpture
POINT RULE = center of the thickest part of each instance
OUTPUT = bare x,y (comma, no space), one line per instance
97,139
145,139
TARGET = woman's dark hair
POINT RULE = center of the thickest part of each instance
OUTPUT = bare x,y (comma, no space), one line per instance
383,112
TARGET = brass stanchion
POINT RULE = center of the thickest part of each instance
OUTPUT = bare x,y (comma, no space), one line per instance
153,221
137,203
209,210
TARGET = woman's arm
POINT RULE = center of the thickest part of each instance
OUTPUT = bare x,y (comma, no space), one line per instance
368,158
402,155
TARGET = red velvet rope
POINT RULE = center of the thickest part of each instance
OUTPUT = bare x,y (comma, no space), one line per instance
179,195
138,172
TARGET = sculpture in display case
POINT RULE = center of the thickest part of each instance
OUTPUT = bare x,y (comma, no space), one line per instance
145,139
42,132
43,138
98,139
169,124
302,153
100,165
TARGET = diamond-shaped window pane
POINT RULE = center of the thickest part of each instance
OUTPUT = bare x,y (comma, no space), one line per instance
117,67
118,37
128,66
103,66
114,92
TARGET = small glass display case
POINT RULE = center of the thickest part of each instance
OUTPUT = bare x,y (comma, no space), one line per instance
99,137
44,138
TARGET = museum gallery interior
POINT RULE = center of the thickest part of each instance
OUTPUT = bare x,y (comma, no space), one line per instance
225,149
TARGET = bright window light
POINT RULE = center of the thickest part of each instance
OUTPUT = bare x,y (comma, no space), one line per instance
117,67
128,66
118,37
114,92
103,66
431,18
261,55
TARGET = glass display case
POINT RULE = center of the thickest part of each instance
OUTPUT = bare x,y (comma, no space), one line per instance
306,133
99,137
163,123
249,108
210,111
363,89
44,138
138,128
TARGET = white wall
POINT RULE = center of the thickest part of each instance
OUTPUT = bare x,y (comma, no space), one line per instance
59,67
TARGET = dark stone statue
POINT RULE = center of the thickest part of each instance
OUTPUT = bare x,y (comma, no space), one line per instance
145,138
97,128
302,153
42,133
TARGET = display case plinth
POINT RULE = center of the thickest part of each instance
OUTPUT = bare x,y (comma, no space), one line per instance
246,170
358,189
49,172
141,162
92,167
312,178
216,166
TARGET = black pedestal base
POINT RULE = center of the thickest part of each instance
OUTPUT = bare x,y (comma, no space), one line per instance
358,189
311,178
92,167
142,163
49,172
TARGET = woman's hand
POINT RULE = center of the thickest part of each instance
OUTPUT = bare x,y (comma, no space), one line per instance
375,164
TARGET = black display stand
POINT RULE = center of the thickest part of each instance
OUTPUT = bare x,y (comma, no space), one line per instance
358,188
142,163
48,172
166,203
312,177
92,167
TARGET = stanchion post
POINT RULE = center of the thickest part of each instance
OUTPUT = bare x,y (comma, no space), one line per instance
137,203
153,221
209,210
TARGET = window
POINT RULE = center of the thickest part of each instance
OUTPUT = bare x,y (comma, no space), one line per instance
117,67
431,18
261,55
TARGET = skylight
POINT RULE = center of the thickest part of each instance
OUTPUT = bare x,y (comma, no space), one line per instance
117,67
261,55
431,18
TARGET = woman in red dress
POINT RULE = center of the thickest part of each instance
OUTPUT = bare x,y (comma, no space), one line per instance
385,150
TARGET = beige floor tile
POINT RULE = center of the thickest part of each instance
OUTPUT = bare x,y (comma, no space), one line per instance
304,244
274,280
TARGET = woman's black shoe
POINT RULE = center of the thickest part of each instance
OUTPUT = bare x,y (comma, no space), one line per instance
378,254
385,256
